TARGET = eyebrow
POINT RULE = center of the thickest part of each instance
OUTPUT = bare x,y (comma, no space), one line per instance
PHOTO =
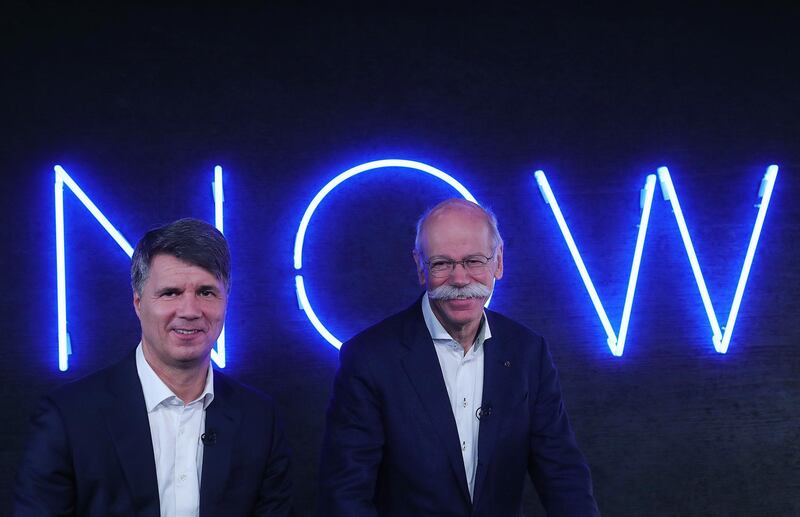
445,257
166,290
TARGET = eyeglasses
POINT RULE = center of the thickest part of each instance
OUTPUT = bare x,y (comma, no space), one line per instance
442,267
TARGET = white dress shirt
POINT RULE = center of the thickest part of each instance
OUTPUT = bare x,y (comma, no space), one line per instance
175,429
463,377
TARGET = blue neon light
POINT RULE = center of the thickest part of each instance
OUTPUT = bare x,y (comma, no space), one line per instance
63,178
648,190
615,342
721,337
302,297
305,305
218,355
118,238
61,290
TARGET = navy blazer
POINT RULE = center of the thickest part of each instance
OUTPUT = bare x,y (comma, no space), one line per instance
391,444
90,452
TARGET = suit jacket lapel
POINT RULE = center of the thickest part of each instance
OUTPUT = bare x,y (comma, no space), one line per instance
222,418
499,368
422,367
129,427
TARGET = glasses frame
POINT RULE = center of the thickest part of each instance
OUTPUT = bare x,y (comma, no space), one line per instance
454,263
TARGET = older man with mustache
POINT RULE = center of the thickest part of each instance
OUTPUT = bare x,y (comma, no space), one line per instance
443,408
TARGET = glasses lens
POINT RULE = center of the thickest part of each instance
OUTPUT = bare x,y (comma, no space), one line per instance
475,263
440,267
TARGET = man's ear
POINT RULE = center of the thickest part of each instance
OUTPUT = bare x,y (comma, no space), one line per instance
137,300
498,273
420,266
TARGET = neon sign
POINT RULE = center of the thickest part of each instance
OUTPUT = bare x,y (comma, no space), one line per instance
62,179
615,339
616,342
721,335
302,297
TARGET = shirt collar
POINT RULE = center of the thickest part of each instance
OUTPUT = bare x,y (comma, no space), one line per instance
438,332
156,392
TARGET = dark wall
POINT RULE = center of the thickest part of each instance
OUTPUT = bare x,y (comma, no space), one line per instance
139,105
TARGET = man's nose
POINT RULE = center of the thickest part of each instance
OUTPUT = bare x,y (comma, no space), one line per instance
459,274
189,307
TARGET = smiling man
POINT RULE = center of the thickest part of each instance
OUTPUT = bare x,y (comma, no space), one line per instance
161,433
442,409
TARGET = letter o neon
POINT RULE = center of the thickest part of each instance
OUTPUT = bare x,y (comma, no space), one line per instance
302,297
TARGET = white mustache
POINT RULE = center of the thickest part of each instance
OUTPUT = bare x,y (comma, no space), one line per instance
451,292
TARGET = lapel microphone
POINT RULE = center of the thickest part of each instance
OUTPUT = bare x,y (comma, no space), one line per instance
209,437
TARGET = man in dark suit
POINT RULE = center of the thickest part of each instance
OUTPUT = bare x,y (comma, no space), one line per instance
161,433
440,410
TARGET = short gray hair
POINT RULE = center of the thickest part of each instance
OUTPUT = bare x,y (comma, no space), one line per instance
190,240
491,219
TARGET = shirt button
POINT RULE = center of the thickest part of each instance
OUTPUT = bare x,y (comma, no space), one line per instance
183,477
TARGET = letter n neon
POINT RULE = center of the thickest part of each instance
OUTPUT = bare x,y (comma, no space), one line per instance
62,178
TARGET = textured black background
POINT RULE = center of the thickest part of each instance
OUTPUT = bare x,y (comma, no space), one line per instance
139,104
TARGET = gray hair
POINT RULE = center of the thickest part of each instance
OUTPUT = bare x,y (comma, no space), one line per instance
191,240
497,240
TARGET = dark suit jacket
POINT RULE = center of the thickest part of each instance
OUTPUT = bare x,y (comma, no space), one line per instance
391,445
90,452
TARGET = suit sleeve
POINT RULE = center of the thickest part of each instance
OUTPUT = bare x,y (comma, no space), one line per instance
275,495
556,465
45,483
352,447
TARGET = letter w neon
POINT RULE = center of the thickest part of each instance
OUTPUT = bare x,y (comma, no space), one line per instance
616,342
721,335
62,179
